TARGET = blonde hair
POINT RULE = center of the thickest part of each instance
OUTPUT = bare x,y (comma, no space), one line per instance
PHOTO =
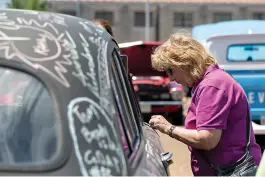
185,53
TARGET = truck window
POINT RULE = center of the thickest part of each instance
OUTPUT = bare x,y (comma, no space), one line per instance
246,52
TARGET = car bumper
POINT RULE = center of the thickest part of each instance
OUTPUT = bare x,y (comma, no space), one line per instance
258,129
159,106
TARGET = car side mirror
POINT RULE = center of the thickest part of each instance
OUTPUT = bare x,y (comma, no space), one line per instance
125,62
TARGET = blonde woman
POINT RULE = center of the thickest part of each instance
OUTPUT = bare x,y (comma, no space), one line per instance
216,122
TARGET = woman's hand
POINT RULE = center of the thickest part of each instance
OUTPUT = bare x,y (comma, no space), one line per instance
199,139
160,123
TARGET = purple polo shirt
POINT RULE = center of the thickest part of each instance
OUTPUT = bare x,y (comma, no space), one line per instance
219,102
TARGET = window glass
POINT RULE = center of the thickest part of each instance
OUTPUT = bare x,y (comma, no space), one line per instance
258,16
126,112
106,15
182,19
28,127
139,19
246,52
69,12
222,16
124,139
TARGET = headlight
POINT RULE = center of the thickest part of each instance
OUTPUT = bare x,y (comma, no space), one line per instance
177,95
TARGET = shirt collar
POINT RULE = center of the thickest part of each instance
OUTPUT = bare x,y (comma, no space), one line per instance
210,69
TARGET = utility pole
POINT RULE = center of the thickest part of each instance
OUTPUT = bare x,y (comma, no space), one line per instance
78,8
158,22
147,20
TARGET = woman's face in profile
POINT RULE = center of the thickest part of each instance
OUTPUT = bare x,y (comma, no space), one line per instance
179,76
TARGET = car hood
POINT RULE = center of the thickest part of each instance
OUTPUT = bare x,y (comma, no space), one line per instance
139,57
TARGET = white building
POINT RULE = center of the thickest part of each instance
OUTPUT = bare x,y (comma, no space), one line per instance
167,16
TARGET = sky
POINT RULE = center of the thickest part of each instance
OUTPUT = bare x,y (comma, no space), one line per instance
3,3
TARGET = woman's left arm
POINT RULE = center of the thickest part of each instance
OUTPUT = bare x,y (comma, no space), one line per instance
199,139
212,111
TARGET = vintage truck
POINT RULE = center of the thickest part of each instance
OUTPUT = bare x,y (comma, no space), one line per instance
155,92
239,47
67,106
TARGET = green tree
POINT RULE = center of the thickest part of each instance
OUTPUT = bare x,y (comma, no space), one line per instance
40,5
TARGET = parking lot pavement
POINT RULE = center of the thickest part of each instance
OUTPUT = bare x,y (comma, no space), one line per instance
181,156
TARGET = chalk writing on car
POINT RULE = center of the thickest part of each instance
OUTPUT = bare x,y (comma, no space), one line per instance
88,78
33,22
45,46
91,28
52,18
103,70
98,151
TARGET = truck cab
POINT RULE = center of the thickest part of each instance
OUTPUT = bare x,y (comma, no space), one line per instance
241,52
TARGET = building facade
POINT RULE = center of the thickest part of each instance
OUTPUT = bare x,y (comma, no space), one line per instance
166,17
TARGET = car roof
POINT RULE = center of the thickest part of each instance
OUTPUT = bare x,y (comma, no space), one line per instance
63,51
140,52
69,55
205,31
137,43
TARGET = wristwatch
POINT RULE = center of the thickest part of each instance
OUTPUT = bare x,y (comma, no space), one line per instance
171,130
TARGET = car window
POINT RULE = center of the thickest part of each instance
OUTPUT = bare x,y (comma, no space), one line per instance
28,127
124,139
124,106
246,52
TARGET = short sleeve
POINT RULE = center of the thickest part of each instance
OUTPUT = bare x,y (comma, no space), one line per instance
212,109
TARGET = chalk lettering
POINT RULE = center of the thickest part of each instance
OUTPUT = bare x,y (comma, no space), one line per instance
98,158
90,75
104,80
86,27
53,18
100,134
37,24
85,117
99,171
5,23
41,46
105,152
47,48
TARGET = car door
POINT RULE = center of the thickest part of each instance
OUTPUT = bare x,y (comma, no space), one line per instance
141,144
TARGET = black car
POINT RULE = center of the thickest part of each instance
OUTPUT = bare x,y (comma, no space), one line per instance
67,106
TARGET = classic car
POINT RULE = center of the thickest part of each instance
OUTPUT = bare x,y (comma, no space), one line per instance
155,92
67,107
240,51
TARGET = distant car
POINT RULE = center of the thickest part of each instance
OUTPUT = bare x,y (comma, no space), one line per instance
157,95
67,107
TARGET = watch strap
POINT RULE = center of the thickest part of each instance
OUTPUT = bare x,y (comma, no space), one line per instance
171,130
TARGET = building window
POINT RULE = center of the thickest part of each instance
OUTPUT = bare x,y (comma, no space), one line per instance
222,16
182,19
106,15
139,19
69,12
258,16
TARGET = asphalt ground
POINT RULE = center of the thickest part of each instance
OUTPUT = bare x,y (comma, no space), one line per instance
181,156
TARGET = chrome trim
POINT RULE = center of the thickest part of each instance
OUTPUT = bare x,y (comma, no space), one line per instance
161,102
258,129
